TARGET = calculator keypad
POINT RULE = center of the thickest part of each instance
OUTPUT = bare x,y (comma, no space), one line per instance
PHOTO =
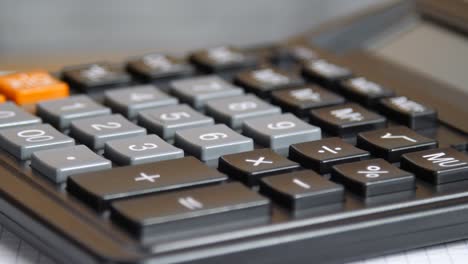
151,143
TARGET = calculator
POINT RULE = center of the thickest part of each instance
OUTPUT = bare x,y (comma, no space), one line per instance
327,147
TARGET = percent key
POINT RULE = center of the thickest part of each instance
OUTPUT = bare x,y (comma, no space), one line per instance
373,177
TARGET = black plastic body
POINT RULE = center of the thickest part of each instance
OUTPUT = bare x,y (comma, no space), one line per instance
61,226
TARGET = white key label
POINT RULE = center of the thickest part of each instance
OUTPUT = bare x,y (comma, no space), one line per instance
146,177
347,114
390,136
407,105
443,160
306,94
259,161
190,203
270,76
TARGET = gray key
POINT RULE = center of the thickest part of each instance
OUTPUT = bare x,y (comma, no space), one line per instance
12,116
196,91
130,101
211,142
233,111
280,131
58,164
139,150
94,132
165,121
60,113
23,141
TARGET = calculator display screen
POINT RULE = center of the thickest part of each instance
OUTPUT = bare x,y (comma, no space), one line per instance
431,50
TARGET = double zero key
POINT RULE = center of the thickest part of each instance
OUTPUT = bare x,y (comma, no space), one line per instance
101,187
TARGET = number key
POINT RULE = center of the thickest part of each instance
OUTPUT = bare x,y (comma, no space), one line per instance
130,101
235,110
23,141
139,150
94,132
60,113
280,131
211,142
196,91
13,116
165,121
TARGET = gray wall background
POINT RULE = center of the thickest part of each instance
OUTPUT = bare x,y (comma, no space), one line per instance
50,33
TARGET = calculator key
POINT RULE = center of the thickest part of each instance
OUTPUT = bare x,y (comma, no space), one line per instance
373,177
250,166
222,58
191,210
60,113
165,121
2,98
233,111
98,188
156,66
196,91
438,166
301,190
13,116
346,120
139,150
364,91
265,80
302,99
391,143
325,73
31,87
94,132
321,155
408,112
211,142
21,142
130,101
280,131
297,53
95,76
58,164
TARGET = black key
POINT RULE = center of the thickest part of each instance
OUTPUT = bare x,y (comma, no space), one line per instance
222,58
265,80
325,73
408,112
346,120
364,91
99,188
250,166
156,66
201,209
373,177
391,143
301,190
321,155
302,99
296,54
437,165
95,76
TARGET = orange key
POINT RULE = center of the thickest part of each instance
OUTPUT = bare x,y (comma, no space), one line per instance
33,86
2,98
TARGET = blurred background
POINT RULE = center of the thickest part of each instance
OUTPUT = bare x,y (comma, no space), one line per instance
52,33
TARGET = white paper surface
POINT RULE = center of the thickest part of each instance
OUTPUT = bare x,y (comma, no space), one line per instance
15,250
